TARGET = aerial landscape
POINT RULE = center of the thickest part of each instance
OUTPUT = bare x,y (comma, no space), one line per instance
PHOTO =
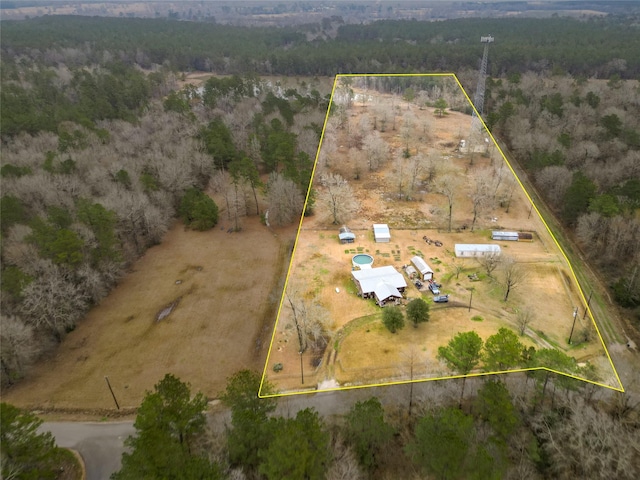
320,239
493,244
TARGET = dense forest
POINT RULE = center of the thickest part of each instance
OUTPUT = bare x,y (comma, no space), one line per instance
592,48
529,429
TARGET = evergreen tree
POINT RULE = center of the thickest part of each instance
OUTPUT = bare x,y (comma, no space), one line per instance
168,423
26,454
393,319
462,354
442,442
249,418
298,449
367,432
197,210
418,311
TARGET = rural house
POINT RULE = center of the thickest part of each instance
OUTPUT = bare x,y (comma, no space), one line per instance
385,284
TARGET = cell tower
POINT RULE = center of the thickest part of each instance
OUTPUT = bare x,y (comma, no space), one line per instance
478,100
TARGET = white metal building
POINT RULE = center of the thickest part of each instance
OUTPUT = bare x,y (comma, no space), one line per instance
421,266
507,236
381,233
383,283
476,250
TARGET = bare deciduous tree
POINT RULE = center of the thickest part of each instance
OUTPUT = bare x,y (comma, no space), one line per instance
345,464
53,302
512,275
589,443
376,149
490,262
19,348
338,198
554,182
481,195
524,317
448,186
284,199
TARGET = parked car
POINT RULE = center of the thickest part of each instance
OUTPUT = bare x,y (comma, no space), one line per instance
418,283
441,299
434,289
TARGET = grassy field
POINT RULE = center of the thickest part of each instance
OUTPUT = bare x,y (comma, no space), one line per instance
224,290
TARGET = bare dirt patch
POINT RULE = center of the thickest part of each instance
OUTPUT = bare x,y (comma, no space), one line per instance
225,285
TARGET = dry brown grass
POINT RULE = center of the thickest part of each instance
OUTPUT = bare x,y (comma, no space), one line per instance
220,325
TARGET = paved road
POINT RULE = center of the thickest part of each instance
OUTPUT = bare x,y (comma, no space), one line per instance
100,444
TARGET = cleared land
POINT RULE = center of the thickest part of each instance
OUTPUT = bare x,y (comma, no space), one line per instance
359,350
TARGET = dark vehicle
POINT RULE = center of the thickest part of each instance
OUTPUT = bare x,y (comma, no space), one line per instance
418,283
441,299
434,289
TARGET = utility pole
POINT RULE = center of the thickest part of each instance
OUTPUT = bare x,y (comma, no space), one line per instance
301,368
111,390
575,316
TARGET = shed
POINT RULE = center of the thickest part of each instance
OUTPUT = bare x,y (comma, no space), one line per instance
425,270
507,236
346,235
476,250
383,283
410,271
381,233
525,237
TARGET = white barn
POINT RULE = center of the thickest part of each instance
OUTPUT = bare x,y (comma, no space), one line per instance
383,283
421,266
381,233
476,250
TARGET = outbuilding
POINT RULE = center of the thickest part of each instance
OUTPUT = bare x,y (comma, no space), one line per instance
476,250
385,284
346,235
381,233
506,236
423,269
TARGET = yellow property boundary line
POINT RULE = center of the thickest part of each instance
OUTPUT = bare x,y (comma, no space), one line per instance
404,382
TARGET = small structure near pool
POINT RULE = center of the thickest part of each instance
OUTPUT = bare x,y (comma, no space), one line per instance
385,284
346,235
381,233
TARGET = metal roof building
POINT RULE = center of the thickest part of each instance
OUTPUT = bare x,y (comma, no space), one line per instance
476,250
381,232
500,235
383,283
425,270
346,235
